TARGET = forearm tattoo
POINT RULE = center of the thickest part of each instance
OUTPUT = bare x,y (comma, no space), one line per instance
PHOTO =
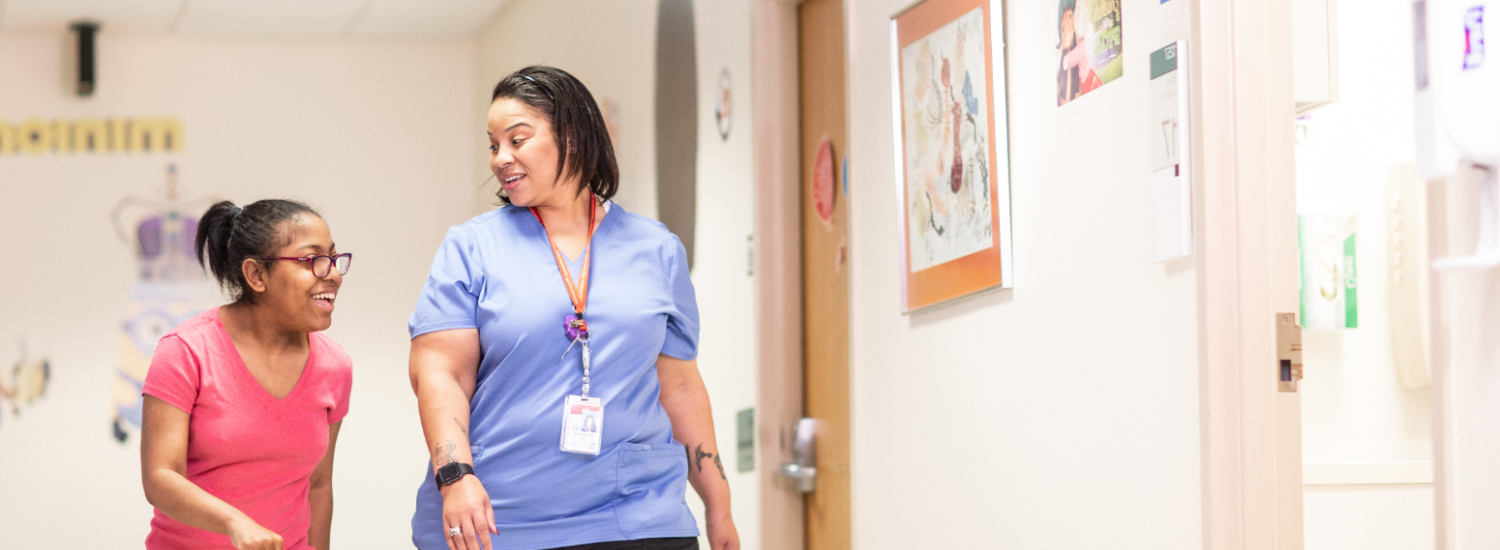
444,453
715,456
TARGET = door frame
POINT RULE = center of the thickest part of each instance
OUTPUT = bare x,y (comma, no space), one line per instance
1245,243
776,122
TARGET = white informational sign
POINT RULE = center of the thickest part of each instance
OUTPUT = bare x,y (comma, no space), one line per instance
1171,176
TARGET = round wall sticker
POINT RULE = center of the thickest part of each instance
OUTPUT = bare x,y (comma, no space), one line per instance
822,187
722,105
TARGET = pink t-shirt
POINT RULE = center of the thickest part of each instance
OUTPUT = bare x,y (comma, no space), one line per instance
255,452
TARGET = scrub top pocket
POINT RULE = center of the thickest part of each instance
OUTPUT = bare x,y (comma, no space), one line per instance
651,495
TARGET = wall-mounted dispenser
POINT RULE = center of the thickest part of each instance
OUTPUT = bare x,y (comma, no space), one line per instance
1457,126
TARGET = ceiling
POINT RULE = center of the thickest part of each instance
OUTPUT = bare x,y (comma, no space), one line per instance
287,18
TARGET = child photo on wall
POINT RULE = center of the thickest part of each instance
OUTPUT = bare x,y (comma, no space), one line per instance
1089,45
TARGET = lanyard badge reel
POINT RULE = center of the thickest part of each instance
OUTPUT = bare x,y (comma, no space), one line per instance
583,416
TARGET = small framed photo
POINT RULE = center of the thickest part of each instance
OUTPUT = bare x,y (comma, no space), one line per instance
954,174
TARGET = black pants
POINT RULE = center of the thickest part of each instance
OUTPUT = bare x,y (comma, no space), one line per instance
684,543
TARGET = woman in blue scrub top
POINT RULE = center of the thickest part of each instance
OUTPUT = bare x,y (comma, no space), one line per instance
519,301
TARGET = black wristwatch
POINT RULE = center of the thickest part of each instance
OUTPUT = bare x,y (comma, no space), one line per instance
450,474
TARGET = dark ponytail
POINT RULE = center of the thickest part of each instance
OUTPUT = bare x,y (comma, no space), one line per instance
228,235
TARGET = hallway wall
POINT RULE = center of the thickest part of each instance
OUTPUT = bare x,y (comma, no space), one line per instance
1061,414
609,46
370,133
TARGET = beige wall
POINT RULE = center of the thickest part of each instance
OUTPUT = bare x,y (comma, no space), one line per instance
1077,393
610,46
375,135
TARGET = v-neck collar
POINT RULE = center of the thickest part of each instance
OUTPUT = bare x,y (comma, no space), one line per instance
244,369
607,206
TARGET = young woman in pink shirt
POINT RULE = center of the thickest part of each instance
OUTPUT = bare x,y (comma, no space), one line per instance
243,403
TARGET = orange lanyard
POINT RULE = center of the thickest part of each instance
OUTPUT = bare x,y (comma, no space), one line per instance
578,294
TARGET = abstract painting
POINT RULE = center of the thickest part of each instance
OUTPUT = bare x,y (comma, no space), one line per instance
952,235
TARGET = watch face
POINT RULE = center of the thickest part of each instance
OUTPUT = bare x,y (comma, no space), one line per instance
451,473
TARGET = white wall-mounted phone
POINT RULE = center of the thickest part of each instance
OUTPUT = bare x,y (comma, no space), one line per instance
1408,275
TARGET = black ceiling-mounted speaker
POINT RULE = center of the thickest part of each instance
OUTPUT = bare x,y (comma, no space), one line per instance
86,77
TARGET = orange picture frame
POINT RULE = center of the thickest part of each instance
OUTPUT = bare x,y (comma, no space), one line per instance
937,96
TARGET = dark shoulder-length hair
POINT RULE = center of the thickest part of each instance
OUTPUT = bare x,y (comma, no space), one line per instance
583,144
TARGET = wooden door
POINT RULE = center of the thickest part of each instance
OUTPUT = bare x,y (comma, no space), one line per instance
825,274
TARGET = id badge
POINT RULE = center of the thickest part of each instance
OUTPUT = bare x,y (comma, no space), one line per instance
583,424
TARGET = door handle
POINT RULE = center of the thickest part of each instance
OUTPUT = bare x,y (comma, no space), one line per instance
804,451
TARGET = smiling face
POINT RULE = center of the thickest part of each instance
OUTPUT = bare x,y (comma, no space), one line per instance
295,296
523,155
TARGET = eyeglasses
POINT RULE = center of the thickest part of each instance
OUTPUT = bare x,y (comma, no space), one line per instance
322,266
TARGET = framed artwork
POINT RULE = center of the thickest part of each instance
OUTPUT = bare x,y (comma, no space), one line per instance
954,173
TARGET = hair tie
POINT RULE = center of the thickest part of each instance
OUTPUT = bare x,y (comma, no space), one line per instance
539,85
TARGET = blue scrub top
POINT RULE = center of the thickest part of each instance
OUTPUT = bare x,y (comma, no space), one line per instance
497,273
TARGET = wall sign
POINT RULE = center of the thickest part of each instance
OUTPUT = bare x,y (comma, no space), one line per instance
1474,37
35,136
1171,176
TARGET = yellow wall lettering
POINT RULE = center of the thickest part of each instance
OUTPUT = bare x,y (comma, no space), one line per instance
117,136
90,135
35,136
7,138
155,135
62,136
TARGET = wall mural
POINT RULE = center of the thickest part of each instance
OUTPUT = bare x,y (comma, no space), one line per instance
25,383
170,288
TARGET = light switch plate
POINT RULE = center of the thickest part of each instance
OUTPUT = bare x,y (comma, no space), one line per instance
744,434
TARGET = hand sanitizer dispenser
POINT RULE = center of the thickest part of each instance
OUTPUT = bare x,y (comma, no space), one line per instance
1458,108
1458,141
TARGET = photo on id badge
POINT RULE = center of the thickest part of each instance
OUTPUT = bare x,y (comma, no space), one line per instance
583,425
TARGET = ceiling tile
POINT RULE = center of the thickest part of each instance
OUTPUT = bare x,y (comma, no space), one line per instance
317,18
425,18
115,15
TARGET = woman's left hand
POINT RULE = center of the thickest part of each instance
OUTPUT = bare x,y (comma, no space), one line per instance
722,534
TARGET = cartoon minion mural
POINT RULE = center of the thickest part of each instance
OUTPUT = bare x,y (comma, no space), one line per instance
170,288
